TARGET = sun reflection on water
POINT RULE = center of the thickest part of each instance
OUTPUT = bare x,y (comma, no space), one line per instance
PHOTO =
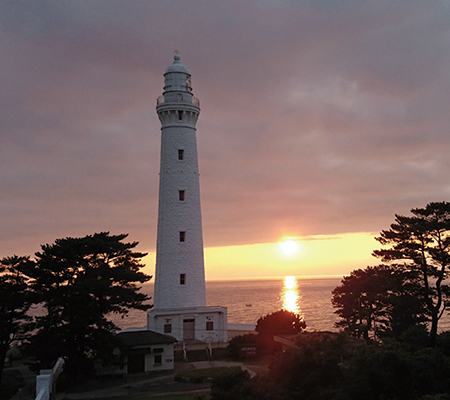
291,295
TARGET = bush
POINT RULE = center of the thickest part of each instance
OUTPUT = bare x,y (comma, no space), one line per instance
278,323
327,366
243,346
12,381
231,385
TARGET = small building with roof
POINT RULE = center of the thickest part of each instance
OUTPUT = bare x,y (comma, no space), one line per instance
146,351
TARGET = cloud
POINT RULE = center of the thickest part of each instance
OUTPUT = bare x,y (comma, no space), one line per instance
317,117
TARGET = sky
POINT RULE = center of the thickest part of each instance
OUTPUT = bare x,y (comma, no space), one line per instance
320,120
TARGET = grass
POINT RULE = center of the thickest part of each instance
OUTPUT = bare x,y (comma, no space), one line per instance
193,376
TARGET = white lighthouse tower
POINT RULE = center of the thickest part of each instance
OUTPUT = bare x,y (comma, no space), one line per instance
180,297
180,276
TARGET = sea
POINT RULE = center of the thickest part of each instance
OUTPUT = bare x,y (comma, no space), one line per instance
249,299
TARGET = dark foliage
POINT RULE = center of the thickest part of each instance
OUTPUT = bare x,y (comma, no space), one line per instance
327,366
317,355
239,347
12,382
231,386
280,323
422,243
15,301
277,323
80,281
377,302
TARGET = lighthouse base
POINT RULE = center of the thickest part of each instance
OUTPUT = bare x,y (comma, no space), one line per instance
201,324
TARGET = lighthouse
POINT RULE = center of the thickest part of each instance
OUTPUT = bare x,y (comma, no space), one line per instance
180,276
180,296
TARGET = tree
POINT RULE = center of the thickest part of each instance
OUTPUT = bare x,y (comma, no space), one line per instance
325,366
15,301
377,301
277,323
281,322
422,242
81,281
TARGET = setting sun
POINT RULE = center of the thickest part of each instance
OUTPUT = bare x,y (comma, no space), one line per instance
316,255
289,247
290,282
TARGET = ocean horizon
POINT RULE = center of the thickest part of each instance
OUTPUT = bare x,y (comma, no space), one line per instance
249,299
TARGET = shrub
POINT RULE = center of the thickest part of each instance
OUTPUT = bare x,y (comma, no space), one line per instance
231,385
278,323
243,346
12,381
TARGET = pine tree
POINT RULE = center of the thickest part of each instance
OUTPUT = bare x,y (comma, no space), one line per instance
422,242
80,282
15,301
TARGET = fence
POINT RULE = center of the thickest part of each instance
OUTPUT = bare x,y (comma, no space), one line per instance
46,381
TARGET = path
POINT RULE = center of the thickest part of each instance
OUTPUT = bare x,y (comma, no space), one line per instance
162,384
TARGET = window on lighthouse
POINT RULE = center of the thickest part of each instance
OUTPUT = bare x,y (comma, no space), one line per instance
180,154
182,279
181,195
182,236
180,115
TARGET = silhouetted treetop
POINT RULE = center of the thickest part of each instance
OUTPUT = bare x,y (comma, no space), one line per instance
15,301
280,323
422,242
81,281
377,301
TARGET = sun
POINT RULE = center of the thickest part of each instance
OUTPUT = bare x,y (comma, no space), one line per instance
289,247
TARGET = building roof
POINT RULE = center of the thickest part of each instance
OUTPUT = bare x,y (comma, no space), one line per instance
143,338
176,66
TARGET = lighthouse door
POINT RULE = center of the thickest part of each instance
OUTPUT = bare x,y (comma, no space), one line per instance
189,329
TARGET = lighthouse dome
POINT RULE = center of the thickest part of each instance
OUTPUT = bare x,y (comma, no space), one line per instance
176,66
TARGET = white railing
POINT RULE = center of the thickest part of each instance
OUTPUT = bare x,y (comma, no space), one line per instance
46,381
195,101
